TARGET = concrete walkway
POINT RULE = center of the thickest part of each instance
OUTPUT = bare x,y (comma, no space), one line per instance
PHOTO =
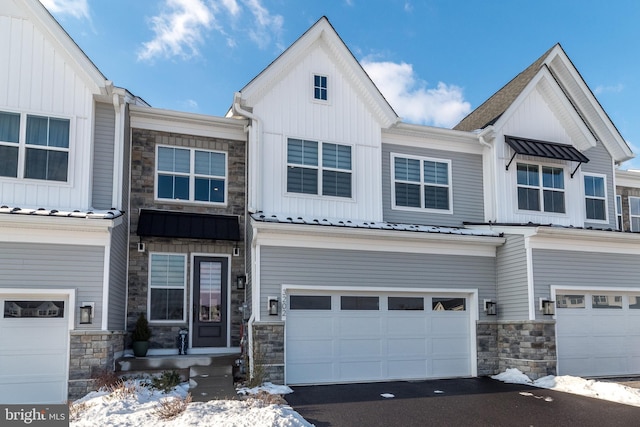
212,382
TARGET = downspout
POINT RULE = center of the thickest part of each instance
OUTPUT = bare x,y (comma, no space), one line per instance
253,198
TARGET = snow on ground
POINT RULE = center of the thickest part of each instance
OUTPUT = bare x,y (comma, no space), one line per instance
591,388
137,406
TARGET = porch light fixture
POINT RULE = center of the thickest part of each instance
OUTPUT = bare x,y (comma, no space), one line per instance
491,307
547,306
86,314
241,281
272,306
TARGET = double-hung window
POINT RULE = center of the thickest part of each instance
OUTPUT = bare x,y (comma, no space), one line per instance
318,168
421,183
595,197
634,213
540,188
46,147
191,175
167,287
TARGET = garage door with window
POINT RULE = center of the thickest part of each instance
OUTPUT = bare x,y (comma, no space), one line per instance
351,337
34,332
598,333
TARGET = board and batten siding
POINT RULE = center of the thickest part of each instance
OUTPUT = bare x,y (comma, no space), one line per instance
347,268
600,162
36,77
511,278
47,266
588,269
466,186
288,110
103,152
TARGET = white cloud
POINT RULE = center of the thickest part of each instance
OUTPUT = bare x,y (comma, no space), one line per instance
182,25
265,25
608,89
77,8
442,106
178,30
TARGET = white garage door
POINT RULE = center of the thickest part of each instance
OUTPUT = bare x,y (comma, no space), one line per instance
34,351
333,338
598,333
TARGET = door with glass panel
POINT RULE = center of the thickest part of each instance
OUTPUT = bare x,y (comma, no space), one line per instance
210,302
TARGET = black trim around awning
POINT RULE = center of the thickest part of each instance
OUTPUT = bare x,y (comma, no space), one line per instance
549,150
155,223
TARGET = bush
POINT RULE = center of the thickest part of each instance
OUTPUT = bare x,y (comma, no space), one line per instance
166,382
170,408
142,332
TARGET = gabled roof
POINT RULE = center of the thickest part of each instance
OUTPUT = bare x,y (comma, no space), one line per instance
46,23
322,32
556,62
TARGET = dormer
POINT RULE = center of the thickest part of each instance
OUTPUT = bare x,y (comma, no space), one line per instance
551,149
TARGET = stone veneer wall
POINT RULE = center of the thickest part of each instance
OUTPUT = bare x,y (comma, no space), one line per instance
143,157
487,347
529,346
268,342
92,354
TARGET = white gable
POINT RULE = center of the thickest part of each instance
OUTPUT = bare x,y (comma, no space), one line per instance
47,75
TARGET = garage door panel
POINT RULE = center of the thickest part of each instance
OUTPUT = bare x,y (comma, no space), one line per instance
358,347
450,346
407,369
306,349
358,326
310,373
18,393
415,346
360,370
449,366
322,326
444,324
409,326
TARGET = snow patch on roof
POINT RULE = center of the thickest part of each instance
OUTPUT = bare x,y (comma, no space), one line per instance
371,225
96,214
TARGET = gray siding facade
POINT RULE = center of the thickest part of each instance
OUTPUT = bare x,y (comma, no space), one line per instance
118,278
103,153
600,162
467,188
325,267
588,269
42,266
511,278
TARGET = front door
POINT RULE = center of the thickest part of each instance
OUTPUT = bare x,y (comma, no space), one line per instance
210,302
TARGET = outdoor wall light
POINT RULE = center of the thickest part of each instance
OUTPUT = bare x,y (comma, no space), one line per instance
86,313
547,307
241,281
491,307
272,306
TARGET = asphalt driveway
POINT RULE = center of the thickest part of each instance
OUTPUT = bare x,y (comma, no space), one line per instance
453,402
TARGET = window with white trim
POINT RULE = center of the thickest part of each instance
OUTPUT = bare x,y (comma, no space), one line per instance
619,211
595,194
421,183
540,188
320,87
167,287
309,160
634,213
45,155
191,174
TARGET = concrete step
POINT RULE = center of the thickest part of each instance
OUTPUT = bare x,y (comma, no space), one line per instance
174,362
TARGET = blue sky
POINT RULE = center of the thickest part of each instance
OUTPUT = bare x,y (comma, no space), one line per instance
434,60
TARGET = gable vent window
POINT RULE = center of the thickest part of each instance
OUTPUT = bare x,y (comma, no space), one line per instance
318,168
595,197
320,87
540,188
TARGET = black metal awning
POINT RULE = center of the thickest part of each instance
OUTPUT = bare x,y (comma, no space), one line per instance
154,223
549,150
